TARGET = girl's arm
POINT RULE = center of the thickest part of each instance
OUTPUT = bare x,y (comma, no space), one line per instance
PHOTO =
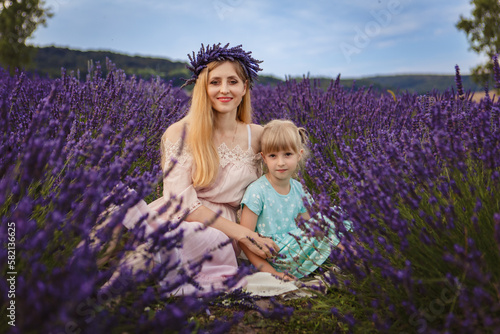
249,221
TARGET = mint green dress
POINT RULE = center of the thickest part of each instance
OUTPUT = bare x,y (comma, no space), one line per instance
299,254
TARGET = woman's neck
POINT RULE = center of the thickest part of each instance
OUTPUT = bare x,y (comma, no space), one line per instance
225,123
225,130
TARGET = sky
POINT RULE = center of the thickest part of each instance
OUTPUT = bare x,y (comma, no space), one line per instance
319,38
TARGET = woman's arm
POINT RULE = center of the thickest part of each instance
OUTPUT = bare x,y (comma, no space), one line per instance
247,238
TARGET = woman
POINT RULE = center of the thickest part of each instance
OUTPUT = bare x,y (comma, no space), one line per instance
218,160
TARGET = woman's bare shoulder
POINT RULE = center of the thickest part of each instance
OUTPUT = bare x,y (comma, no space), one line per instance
175,131
256,128
256,134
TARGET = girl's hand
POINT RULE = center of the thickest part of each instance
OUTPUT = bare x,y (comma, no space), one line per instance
261,246
286,276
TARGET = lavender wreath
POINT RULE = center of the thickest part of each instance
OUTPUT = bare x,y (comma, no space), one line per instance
209,54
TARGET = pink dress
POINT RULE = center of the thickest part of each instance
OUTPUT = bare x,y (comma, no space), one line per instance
238,168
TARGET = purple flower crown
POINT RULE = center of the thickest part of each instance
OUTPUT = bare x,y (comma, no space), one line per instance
218,53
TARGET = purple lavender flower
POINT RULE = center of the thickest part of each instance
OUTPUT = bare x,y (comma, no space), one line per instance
496,71
458,81
217,53
417,178
383,164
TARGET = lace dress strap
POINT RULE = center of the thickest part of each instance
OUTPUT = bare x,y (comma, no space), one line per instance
249,136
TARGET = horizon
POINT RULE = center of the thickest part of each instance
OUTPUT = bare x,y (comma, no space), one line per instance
264,74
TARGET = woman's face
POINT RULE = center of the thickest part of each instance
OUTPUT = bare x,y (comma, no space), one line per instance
225,88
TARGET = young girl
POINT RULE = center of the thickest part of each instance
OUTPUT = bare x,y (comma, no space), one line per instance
273,202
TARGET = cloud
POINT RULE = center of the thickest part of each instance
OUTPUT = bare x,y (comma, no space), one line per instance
292,37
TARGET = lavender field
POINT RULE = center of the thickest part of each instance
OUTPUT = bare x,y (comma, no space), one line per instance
418,176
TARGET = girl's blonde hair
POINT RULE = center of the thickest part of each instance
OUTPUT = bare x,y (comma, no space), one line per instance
201,123
284,135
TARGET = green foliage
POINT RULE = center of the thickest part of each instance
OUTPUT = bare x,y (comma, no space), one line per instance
483,32
18,20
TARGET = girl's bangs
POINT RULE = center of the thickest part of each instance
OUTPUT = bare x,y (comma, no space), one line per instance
280,140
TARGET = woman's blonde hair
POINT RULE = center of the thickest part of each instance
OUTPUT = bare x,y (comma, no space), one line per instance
284,135
200,119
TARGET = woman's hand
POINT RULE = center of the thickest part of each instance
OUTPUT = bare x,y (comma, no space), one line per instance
261,246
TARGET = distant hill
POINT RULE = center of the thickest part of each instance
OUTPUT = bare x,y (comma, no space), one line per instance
49,61
423,83
419,83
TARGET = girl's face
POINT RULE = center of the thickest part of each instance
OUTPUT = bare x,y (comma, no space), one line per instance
282,164
225,88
